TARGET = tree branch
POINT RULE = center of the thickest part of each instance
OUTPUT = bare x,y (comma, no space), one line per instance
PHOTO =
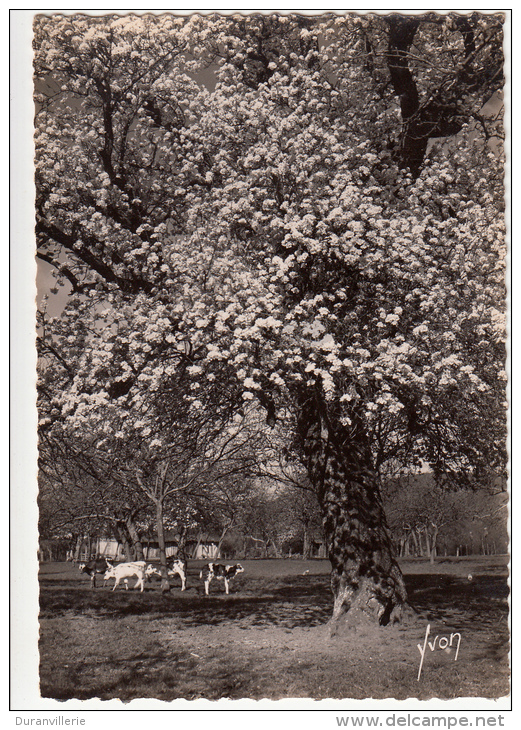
69,242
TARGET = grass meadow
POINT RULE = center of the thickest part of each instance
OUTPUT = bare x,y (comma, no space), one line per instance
269,638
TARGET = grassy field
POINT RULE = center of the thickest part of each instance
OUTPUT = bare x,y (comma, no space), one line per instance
269,637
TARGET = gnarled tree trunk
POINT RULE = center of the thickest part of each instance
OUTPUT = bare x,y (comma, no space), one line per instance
135,538
366,580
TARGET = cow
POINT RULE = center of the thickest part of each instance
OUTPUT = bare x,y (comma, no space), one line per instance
93,567
221,572
176,567
151,570
127,570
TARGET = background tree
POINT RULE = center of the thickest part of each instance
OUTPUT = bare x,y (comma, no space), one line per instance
297,516
201,467
418,510
426,518
292,236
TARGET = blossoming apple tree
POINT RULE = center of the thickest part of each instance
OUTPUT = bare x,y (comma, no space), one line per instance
301,212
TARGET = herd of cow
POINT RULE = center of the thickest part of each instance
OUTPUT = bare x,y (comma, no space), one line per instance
142,571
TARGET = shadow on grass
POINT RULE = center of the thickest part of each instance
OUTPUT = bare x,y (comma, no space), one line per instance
481,599
287,602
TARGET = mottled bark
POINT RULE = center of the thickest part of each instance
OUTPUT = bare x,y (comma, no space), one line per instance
434,543
165,584
306,547
135,538
196,548
122,538
416,536
224,532
366,580
77,547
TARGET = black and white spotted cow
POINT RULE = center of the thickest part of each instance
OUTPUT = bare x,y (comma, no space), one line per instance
93,568
175,567
221,572
178,567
